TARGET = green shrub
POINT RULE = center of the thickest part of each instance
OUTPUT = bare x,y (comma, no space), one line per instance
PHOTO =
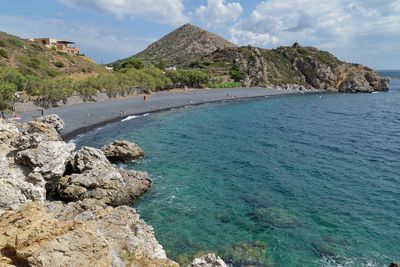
2,43
236,74
225,85
7,95
16,42
190,78
12,76
3,53
59,64
131,63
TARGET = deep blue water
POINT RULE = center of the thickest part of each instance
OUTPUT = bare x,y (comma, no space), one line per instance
314,178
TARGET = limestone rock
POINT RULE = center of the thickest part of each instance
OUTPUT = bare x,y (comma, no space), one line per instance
364,81
18,184
35,133
122,151
8,132
49,158
132,241
209,260
33,237
94,177
53,120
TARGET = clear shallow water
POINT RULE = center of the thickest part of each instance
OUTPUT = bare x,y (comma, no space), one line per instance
315,178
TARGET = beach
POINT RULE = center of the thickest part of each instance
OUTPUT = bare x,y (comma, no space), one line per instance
80,118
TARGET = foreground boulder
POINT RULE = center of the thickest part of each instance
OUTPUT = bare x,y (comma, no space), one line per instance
18,185
209,260
33,237
122,151
49,158
131,240
34,133
92,176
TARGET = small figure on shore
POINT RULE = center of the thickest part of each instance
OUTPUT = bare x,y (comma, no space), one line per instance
145,97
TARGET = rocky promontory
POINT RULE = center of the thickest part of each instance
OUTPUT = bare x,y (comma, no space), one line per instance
65,207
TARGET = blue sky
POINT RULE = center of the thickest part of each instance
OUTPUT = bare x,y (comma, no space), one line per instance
362,31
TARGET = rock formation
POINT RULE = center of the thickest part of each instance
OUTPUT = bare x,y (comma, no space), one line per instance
122,151
92,176
36,166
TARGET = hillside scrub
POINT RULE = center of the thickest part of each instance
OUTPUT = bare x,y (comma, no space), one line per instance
188,77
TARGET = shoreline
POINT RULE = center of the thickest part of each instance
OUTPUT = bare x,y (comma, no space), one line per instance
82,118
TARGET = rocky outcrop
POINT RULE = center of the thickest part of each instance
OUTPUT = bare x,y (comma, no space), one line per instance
52,120
130,238
34,133
209,260
49,158
18,185
33,237
295,65
92,176
122,151
35,231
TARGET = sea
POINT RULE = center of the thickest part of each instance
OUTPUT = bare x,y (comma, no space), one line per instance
311,180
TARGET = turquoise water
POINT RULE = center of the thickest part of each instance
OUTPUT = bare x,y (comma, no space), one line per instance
315,178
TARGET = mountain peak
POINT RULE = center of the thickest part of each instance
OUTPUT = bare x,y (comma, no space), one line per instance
184,45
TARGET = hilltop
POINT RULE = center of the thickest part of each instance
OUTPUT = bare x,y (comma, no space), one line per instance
183,46
35,59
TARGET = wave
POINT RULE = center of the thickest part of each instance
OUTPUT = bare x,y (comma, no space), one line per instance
134,117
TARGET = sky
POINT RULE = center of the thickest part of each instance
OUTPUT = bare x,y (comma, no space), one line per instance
359,31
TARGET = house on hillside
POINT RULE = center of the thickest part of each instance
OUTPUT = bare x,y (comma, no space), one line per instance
59,45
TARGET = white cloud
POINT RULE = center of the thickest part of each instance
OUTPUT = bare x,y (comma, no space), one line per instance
218,13
99,42
162,11
321,23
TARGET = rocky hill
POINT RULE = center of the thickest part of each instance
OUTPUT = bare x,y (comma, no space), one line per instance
183,46
35,59
288,66
192,47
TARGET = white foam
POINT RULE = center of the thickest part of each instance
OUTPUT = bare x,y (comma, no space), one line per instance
129,118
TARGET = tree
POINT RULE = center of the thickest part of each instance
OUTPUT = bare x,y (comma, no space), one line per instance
132,63
8,75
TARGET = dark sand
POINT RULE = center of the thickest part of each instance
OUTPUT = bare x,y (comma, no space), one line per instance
80,118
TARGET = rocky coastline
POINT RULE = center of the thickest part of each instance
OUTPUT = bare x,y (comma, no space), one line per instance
62,207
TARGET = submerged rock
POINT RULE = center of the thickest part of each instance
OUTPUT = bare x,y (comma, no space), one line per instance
275,217
209,260
247,254
92,176
122,151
